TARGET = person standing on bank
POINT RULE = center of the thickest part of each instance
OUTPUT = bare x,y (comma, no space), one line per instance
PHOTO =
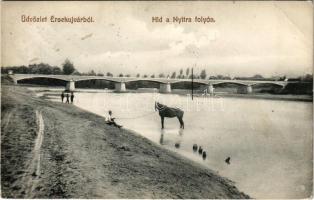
72,97
67,96
62,96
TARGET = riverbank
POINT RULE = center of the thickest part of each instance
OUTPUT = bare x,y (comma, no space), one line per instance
282,97
79,156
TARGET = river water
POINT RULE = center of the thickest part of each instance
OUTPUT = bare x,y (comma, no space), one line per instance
269,142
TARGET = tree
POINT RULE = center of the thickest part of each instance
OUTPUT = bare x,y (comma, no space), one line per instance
128,75
152,76
203,74
68,67
56,70
220,76
258,76
173,75
194,76
307,78
44,68
144,76
75,73
138,75
162,75
187,72
109,74
99,74
227,77
121,75
91,73
40,68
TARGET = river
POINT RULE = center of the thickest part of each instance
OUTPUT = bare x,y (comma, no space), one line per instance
269,142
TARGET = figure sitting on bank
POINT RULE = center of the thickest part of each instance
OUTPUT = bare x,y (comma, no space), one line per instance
110,120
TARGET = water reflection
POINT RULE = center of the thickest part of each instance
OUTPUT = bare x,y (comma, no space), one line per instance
228,160
195,147
177,140
204,155
161,141
181,131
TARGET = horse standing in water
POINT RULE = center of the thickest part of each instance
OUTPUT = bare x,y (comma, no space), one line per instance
165,111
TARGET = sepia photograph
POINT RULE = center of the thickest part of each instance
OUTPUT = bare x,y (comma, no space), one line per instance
157,100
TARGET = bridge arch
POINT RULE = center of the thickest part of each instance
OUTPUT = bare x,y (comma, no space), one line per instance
232,87
187,85
95,82
97,78
42,80
263,83
267,87
145,80
230,82
143,83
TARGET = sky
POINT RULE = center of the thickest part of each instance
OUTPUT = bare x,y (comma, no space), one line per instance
247,38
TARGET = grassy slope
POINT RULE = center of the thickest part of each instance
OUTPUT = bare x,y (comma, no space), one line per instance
81,157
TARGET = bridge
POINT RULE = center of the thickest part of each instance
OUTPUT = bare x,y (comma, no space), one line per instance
165,83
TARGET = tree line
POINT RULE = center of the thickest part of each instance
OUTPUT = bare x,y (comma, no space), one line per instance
43,68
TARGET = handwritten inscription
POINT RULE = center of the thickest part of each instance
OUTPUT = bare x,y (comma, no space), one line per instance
179,20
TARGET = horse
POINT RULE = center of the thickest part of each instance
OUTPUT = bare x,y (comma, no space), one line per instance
165,111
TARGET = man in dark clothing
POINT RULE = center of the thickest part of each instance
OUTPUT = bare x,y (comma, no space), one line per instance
67,96
62,97
72,97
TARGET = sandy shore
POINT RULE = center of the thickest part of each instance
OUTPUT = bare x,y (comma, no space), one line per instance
53,150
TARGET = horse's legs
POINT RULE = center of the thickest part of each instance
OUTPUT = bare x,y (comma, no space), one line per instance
181,122
162,122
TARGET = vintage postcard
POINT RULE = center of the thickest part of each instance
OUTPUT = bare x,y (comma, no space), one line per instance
157,99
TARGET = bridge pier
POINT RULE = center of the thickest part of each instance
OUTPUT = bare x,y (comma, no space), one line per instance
120,87
11,75
70,86
211,89
165,88
249,89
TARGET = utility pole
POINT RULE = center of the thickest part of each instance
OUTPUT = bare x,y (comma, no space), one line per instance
192,84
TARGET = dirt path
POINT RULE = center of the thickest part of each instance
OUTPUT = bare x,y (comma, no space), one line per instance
6,120
33,172
38,141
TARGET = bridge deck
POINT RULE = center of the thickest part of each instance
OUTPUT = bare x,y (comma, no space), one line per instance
76,78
